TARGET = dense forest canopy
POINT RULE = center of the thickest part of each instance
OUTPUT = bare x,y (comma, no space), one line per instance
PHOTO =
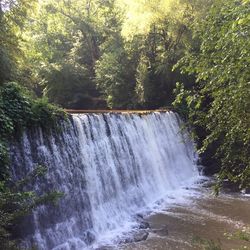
190,55
97,54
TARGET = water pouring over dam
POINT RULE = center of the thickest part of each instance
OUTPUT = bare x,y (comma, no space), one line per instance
109,167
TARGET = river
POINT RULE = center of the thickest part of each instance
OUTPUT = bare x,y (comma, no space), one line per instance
200,220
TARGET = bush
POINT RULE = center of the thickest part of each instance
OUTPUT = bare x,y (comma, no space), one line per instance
219,102
15,108
45,114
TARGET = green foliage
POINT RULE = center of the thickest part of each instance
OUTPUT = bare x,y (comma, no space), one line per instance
18,109
143,82
220,101
75,53
205,244
12,17
15,107
181,100
64,49
45,114
4,160
70,85
241,234
6,65
69,46
15,110
158,32
61,44
114,76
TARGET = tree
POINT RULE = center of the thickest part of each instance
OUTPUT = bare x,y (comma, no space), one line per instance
115,69
61,42
115,77
162,33
219,103
12,17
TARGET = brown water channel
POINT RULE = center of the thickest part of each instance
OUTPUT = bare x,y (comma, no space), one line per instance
190,225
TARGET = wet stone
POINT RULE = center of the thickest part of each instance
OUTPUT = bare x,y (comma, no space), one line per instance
88,237
139,216
136,237
104,248
161,231
142,224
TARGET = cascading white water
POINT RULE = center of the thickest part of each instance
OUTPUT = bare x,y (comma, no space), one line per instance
109,167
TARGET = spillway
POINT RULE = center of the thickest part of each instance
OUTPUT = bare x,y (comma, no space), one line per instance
108,166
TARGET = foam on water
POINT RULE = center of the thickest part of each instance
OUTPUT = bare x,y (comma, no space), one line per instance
110,167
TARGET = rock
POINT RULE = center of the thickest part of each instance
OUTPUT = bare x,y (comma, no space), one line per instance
159,202
139,216
136,237
140,236
144,225
103,248
88,237
162,231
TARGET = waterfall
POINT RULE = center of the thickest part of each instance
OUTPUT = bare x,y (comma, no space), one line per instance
109,167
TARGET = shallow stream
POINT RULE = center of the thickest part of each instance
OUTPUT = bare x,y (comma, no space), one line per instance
198,221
